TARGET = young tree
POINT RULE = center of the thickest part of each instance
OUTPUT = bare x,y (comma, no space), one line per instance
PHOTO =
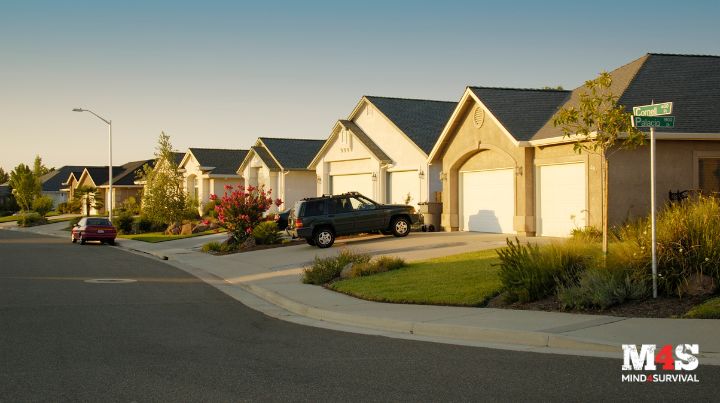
25,186
164,199
39,169
4,177
599,126
241,209
89,197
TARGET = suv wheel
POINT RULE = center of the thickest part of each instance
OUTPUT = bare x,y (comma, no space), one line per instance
400,227
310,241
324,238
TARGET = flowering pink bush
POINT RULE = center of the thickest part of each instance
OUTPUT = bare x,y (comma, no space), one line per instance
241,208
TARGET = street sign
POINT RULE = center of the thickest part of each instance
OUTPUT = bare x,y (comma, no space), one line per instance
653,121
664,108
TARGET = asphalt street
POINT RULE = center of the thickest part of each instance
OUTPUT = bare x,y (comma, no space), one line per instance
167,336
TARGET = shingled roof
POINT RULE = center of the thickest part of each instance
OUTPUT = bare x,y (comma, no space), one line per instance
292,153
223,161
420,119
365,139
521,111
691,82
53,180
99,175
130,172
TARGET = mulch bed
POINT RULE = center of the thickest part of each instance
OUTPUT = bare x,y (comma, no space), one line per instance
662,307
260,247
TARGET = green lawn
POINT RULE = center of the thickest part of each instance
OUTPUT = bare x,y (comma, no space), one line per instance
155,237
709,309
469,279
9,218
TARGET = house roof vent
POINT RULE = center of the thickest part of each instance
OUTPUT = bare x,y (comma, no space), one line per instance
479,117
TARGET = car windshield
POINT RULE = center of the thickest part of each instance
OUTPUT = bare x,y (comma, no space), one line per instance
98,222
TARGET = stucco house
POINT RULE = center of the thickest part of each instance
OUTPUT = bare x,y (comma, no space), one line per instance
281,165
124,182
207,170
381,150
507,169
53,183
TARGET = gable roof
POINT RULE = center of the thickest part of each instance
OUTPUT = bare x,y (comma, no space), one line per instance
53,180
521,111
291,153
222,161
130,172
358,133
266,158
421,120
99,175
691,82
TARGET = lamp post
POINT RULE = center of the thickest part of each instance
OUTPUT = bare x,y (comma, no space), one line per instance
110,166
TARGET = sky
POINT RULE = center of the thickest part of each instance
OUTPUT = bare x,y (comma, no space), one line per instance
219,74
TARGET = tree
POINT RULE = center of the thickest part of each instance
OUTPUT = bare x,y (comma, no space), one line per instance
89,197
39,169
241,209
164,200
599,125
25,186
4,177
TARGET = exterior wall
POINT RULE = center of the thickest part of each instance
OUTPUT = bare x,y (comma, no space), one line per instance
296,185
192,171
217,185
629,175
120,194
487,147
57,197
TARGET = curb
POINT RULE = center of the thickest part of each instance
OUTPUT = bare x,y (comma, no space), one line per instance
466,333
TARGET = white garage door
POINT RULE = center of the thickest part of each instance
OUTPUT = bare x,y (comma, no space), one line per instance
362,183
561,204
402,184
487,201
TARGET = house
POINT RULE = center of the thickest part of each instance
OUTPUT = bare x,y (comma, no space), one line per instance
124,182
53,183
381,150
206,171
507,169
281,165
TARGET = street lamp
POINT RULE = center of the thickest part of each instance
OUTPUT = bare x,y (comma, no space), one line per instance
110,166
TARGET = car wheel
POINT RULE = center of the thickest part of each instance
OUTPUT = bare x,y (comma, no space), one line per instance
310,241
324,238
82,239
111,242
400,227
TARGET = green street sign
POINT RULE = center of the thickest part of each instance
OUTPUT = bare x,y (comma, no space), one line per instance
653,121
664,108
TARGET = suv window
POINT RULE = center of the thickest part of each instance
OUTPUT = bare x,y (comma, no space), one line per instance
312,208
361,204
340,205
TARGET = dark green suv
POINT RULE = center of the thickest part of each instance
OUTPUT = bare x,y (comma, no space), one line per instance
320,219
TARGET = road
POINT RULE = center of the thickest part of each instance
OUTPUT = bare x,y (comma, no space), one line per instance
170,337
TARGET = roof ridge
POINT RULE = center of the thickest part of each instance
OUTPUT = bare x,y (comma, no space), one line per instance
519,89
680,54
408,99
288,138
217,149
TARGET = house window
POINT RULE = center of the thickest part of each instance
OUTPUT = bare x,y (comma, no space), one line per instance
196,191
709,174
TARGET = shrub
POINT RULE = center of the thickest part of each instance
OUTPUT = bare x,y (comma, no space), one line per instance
124,222
209,209
240,209
688,243
31,219
530,272
326,269
709,309
390,262
43,205
587,234
73,221
131,205
266,233
144,224
601,288
379,265
62,208
215,247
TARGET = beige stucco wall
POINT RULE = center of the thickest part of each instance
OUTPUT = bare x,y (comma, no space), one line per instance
630,175
296,185
487,147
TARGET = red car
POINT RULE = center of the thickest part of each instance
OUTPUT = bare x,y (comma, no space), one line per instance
94,229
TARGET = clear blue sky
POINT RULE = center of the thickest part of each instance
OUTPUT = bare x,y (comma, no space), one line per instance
221,73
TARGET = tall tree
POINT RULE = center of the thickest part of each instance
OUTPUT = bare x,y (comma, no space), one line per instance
599,126
164,200
4,177
25,186
39,169
89,197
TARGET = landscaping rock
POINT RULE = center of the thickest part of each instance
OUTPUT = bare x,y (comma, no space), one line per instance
186,229
248,243
699,284
346,272
173,229
213,225
200,228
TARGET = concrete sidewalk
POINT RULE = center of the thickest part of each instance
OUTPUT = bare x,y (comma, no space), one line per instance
274,276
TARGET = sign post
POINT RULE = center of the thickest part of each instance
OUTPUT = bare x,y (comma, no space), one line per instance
648,116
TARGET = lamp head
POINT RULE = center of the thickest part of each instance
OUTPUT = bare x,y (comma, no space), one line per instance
78,110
